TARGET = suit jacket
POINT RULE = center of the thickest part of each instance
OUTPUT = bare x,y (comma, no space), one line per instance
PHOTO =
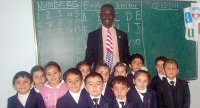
165,97
94,51
149,100
130,80
67,101
34,100
155,82
128,104
104,102
108,92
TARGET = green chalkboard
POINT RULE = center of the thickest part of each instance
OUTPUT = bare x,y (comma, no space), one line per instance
154,28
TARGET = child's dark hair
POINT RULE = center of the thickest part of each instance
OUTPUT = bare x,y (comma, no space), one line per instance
81,64
121,64
142,72
120,80
102,64
136,55
171,61
160,58
74,71
52,63
110,6
36,68
23,74
93,74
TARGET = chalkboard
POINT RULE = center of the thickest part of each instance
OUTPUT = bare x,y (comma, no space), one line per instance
154,28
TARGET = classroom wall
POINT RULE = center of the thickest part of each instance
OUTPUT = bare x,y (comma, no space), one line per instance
17,48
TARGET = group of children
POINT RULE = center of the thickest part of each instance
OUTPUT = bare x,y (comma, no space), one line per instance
83,88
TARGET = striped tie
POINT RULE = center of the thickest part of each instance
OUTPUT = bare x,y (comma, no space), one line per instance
109,51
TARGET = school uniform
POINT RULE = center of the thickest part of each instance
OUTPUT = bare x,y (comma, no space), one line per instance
34,100
108,92
180,95
155,81
130,79
103,102
147,100
68,101
127,103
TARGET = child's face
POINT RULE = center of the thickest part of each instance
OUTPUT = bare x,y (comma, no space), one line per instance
85,70
104,73
22,85
53,75
171,70
159,67
120,71
120,90
73,82
136,64
141,81
94,86
39,79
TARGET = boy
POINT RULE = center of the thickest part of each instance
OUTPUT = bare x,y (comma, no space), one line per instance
120,88
75,97
104,70
159,62
173,92
94,86
136,63
25,97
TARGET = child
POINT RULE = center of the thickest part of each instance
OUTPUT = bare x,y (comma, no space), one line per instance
54,88
104,70
159,62
75,97
142,96
173,92
38,75
120,69
25,97
94,86
136,63
84,67
120,88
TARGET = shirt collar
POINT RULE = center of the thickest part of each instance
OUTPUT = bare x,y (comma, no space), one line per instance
123,100
161,76
47,84
99,97
168,80
141,91
104,28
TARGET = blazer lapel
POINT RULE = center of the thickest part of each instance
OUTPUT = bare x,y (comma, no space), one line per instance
99,43
167,90
17,103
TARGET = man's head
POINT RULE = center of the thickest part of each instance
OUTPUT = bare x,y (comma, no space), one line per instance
107,15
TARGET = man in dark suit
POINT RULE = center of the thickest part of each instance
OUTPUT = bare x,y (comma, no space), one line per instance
96,43
173,92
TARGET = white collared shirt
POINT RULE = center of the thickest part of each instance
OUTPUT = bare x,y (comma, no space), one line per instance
36,90
23,98
75,96
104,89
161,76
132,72
141,91
99,97
123,100
172,80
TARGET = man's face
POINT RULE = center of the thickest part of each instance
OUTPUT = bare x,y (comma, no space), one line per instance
107,17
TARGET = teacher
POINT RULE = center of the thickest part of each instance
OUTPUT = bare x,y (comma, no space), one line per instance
107,43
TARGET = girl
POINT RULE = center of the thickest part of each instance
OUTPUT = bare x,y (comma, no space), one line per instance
54,88
38,75
120,69
142,96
